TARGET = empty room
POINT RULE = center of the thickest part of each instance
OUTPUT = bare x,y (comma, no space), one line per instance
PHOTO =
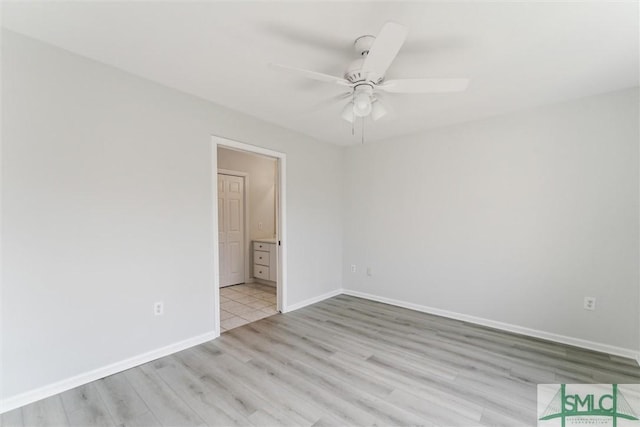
320,213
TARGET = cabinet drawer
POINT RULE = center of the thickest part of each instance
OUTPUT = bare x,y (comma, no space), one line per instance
259,246
261,272
261,257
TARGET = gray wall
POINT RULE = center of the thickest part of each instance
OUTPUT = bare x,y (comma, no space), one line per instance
513,219
107,208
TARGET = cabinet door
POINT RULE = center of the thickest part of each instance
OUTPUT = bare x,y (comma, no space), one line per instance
273,262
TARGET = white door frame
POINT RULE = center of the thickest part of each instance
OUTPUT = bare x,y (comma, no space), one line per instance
245,214
281,226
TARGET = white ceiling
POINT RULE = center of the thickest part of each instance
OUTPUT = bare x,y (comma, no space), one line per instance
517,54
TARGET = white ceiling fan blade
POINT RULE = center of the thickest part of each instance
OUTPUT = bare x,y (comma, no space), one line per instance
424,85
384,50
330,101
314,75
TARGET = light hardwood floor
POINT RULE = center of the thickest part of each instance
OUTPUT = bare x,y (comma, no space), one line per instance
343,361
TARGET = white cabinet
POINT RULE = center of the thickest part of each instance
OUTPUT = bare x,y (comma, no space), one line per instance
265,265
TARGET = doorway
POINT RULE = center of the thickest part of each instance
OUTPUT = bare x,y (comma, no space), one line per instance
249,242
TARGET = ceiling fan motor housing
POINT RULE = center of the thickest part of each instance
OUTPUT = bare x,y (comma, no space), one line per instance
354,70
363,44
354,73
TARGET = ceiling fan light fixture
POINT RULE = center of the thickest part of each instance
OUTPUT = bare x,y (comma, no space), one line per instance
377,110
366,75
362,104
347,112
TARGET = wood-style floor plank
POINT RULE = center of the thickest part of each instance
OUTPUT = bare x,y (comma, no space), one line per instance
205,402
12,418
144,420
166,405
47,412
121,400
267,384
310,365
84,406
343,361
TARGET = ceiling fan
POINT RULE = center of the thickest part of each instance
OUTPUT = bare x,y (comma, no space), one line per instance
365,76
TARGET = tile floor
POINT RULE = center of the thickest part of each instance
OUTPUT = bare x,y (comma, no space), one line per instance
246,303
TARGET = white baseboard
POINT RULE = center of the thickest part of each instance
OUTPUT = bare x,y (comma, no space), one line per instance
563,339
312,300
265,282
78,380
19,400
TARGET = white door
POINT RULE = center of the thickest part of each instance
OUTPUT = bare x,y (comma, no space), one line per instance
231,229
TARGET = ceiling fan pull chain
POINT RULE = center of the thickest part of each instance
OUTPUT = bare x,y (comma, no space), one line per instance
363,130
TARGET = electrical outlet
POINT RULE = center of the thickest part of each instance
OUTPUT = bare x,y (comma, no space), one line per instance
158,308
369,272
589,303
353,268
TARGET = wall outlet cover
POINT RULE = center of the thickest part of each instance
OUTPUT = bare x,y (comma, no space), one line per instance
589,303
158,308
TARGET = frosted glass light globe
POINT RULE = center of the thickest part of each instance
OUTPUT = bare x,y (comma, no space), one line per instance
362,105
